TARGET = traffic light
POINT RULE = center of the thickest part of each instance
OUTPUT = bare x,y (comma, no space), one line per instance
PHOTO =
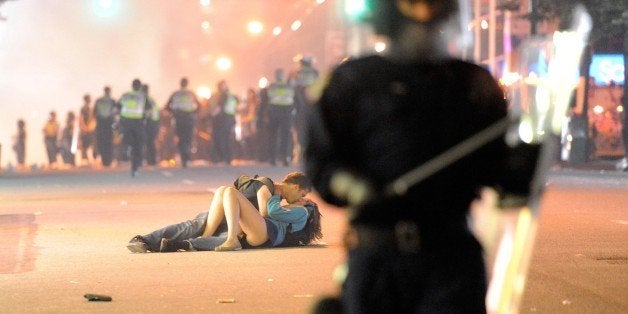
358,10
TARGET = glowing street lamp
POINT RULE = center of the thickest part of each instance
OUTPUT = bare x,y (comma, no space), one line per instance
263,82
223,63
255,27
484,24
206,26
104,8
380,46
277,30
204,92
105,4
205,3
598,109
296,25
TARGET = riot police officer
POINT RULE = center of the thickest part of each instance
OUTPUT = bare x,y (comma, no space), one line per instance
281,100
105,112
133,107
380,117
184,105
224,105
304,78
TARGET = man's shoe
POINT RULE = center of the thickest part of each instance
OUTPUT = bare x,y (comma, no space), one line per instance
137,245
622,165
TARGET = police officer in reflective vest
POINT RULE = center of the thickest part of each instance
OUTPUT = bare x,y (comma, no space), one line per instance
281,99
305,77
184,105
133,106
224,105
105,111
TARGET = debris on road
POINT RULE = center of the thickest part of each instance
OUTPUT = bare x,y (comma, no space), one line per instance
97,297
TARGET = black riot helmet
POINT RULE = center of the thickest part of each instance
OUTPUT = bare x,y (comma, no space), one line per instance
388,16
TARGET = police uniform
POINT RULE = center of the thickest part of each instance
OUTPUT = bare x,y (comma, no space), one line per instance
305,77
133,107
104,111
223,127
381,119
184,105
281,100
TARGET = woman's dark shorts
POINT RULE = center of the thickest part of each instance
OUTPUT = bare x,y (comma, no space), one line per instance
272,232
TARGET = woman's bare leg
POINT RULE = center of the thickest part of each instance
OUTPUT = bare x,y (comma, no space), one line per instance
240,213
216,212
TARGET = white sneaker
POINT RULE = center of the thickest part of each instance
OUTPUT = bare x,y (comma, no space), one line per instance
622,164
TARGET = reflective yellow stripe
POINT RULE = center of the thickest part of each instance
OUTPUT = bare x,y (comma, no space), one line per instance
280,94
183,101
230,106
132,106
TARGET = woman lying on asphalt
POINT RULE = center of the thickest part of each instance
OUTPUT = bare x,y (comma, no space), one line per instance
296,222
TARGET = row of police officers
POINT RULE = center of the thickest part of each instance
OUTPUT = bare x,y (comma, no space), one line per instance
139,118
139,122
287,99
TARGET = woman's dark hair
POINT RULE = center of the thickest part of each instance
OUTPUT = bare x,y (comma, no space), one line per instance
311,231
313,228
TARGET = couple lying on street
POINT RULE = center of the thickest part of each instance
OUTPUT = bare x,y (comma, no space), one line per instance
236,220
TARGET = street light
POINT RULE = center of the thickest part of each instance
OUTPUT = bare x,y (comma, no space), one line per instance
104,8
255,27
380,46
263,82
484,24
205,25
223,63
105,4
296,25
204,92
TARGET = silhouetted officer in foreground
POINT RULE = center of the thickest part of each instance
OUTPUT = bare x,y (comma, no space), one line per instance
380,117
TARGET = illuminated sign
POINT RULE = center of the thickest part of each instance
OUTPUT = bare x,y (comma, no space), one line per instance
606,68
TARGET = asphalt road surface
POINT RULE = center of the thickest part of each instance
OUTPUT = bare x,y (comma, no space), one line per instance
63,234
